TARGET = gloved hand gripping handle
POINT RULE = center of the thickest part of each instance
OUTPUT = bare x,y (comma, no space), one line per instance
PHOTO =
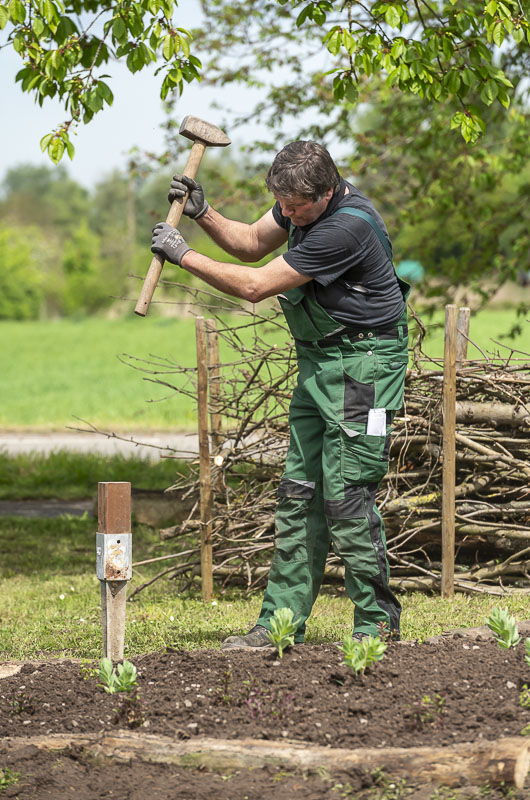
173,219
203,134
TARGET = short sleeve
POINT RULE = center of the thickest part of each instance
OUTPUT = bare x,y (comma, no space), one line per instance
329,250
282,221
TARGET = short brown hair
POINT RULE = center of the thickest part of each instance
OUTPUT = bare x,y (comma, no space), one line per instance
302,169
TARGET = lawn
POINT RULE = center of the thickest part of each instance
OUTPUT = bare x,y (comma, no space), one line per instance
50,599
65,475
53,372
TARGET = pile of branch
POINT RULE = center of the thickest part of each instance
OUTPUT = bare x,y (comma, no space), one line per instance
492,473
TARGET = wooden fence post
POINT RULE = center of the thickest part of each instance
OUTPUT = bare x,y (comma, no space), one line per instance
448,467
206,500
214,385
462,337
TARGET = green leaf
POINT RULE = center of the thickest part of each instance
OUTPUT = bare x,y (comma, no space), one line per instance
518,35
392,17
185,45
4,16
105,92
489,92
70,149
45,141
56,149
304,14
38,26
334,42
453,81
119,30
503,97
350,91
397,49
17,11
491,8
168,48
498,33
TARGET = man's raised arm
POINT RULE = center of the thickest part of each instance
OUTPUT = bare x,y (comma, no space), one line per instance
248,243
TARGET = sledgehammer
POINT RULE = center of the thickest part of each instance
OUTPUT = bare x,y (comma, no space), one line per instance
203,134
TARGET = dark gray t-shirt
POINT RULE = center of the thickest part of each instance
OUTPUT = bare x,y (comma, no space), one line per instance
354,279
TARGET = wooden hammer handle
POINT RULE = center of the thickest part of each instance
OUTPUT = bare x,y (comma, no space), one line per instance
173,219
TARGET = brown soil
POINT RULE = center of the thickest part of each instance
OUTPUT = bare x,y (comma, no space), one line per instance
309,696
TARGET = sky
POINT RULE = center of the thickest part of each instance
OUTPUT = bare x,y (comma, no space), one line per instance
134,119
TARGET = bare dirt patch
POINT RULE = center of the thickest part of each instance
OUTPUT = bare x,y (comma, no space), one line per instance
440,693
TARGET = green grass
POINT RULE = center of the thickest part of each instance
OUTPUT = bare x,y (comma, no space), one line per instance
484,328
66,475
55,371
50,599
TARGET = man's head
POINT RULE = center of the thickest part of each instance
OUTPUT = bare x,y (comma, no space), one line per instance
303,178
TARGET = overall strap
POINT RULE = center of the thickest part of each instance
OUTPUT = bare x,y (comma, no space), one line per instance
356,212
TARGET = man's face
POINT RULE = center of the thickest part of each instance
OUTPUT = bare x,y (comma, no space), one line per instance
302,211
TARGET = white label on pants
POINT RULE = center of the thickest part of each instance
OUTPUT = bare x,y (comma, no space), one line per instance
376,425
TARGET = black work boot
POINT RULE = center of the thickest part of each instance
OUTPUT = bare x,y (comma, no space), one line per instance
359,636
258,636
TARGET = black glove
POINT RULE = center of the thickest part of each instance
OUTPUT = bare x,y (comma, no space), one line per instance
196,206
169,242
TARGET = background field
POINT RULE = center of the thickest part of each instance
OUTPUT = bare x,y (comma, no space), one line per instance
55,371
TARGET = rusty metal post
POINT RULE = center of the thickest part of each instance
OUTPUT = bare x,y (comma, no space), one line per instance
449,448
114,562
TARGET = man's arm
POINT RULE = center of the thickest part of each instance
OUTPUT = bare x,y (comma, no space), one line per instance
246,242
249,243
249,283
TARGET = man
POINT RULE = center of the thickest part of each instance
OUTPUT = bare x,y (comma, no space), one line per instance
346,310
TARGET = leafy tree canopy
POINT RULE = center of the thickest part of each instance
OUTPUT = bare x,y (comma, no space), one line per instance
470,54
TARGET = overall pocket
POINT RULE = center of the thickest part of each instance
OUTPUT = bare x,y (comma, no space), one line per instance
390,372
364,458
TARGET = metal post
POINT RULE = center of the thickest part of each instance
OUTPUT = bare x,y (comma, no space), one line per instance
206,499
449,446
114,562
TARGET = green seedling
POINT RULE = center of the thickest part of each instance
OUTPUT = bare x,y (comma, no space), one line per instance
503,627
429,711
524,696
88,669
283,629
527,651
224,691
8,778
22,703
122,680
360,654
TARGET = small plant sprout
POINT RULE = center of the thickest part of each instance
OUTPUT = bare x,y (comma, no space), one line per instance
283,629
88,669
503,627
527,651
122,680
8,778
359,654
524,696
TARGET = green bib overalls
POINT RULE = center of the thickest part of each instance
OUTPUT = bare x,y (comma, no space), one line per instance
350,385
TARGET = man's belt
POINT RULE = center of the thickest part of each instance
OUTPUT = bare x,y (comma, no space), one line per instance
359,334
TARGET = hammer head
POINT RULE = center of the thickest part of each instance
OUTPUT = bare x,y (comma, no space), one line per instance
198,130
